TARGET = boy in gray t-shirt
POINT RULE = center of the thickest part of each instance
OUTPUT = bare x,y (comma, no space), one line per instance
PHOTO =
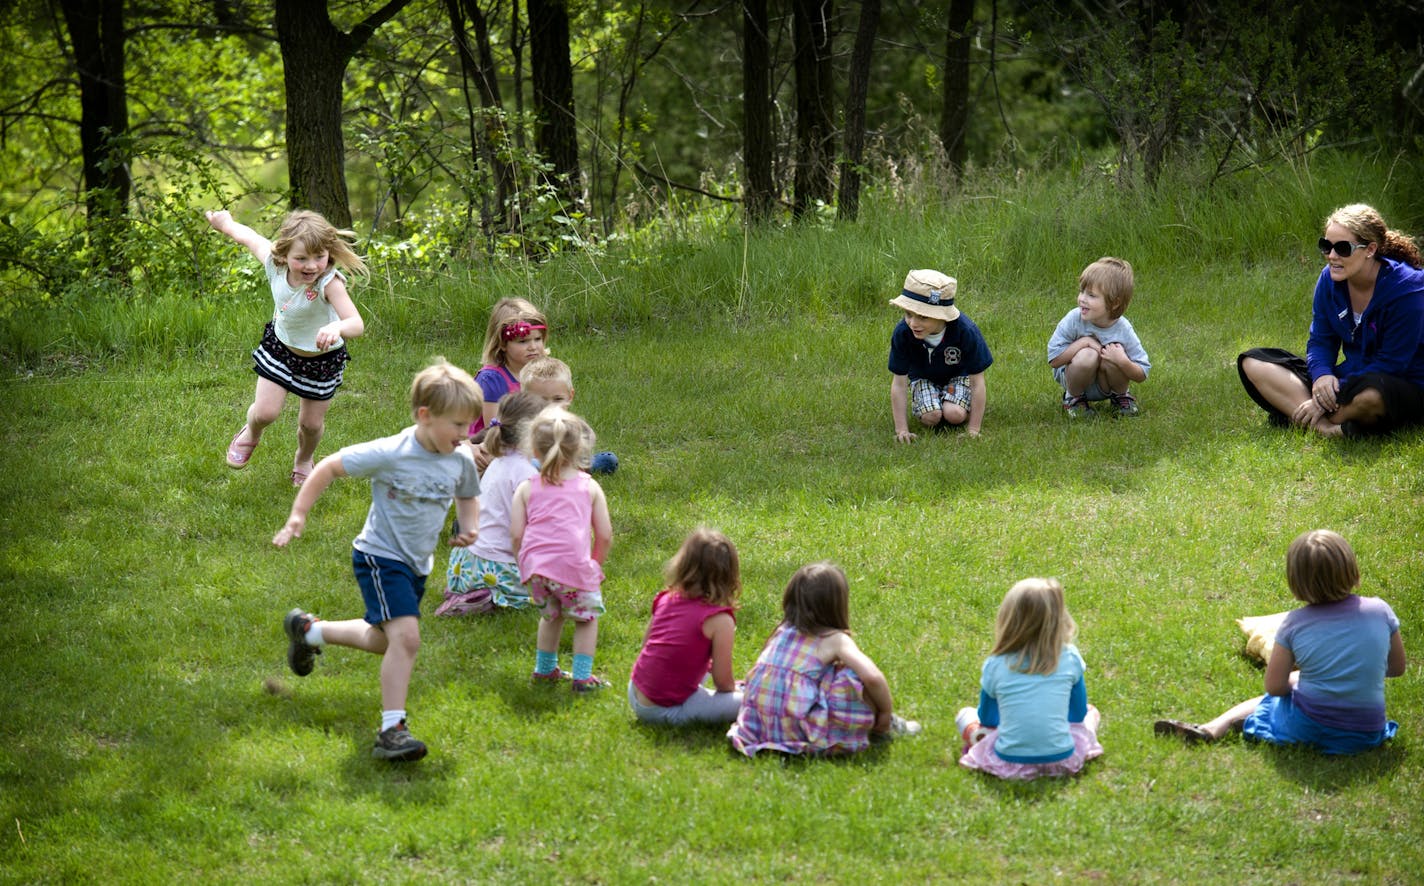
414,476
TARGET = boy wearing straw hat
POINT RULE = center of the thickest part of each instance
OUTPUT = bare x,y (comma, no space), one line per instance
937,358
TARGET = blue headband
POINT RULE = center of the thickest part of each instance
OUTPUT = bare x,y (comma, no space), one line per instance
934,298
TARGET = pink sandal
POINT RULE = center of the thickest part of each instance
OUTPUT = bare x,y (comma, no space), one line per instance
299,475
239,453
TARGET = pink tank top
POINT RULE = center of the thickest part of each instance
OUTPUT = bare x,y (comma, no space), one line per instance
676,655
558,534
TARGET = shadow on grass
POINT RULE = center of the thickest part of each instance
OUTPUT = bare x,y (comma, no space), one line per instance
1331,773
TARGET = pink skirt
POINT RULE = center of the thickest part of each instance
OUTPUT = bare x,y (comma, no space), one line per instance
981,756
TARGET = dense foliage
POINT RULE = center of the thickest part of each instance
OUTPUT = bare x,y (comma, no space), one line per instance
658,101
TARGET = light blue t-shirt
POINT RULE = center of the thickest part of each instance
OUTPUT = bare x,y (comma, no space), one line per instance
1342,651
1032,711
411,492
1073,327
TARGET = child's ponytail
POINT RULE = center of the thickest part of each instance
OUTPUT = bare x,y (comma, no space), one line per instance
560,440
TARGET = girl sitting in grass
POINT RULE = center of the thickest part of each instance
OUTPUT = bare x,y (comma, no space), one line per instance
1325,677
515,336
812,691
484,575
690,635
1033,703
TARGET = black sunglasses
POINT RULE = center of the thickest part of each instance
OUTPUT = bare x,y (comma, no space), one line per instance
1342,248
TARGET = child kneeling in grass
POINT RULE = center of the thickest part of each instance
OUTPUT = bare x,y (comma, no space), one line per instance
1325,678
414,476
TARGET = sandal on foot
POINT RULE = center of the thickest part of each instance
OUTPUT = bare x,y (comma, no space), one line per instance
300,475
239,452
1186,731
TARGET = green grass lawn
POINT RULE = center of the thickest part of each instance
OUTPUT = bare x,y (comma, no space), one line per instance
144,604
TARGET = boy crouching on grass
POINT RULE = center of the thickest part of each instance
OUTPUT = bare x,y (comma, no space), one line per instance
937,358
414,475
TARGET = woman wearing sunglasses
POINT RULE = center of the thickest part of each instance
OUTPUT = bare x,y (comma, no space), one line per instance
1369,314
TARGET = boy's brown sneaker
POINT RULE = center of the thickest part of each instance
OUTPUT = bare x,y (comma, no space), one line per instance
398,745
301,655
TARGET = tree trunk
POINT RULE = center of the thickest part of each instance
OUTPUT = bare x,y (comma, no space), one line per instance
489,141
954,119
552,79
314,58
759,196
815,139
848,207
96,30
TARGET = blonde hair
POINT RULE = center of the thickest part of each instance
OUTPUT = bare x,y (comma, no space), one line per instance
446,390
817,599
547,369
561,441
314,233
1033,621
1321,567
507,311
1368,225
1112,279
516,409
706,567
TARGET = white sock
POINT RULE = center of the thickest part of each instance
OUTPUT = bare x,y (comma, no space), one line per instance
391,718
313,636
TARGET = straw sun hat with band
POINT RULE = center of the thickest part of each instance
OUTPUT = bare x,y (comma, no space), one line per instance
929,294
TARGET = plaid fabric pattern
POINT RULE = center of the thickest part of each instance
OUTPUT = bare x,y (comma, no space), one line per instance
795,704
926,396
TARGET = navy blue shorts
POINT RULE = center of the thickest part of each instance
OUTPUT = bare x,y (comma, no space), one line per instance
390,588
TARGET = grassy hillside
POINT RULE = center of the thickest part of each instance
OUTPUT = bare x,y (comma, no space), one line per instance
153,733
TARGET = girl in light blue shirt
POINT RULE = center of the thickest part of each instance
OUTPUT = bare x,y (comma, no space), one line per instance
1033,717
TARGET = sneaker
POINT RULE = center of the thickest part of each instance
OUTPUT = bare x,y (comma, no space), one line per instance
301,655
1077,407
898,726
1126,404
592,684
398,744
553,676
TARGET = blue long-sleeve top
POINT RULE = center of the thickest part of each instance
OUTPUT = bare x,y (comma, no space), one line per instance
1389,336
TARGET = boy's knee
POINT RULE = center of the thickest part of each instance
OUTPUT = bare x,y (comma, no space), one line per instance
955,414
929,419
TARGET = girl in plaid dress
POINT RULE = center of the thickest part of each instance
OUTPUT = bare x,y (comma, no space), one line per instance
812,691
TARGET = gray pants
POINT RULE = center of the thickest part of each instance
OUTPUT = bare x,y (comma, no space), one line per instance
703,706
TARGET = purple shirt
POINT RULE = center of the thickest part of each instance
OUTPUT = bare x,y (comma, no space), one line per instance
1342,651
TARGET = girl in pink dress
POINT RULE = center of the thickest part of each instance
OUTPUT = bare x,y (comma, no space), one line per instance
561,531
690,636
812,691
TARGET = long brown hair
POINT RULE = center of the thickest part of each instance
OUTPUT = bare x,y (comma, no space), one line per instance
817,599
706,567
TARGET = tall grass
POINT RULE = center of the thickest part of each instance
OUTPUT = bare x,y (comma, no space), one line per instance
144,600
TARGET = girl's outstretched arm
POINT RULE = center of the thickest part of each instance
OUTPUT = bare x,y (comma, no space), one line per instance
223,222
839,647
602,523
